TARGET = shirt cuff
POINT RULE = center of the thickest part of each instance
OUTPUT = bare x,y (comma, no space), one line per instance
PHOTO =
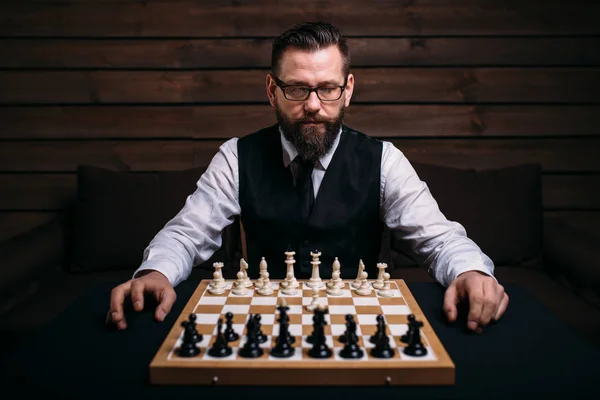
165,267
459,265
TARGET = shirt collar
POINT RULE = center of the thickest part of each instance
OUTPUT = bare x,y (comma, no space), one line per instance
290,152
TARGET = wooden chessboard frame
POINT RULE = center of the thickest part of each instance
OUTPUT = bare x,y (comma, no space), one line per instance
313,372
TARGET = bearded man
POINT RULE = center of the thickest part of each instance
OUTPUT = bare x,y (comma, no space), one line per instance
308,183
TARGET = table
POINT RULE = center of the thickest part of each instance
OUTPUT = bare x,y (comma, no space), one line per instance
529,353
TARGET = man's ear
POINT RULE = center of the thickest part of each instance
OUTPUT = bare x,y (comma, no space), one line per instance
349,89
271,87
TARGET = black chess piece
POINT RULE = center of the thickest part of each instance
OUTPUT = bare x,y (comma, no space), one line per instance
380,329
415,346
260,336
351,348
188,346
406,337
344,336
220,347
382,348
251,348
230,334
283,345
319,348
318,319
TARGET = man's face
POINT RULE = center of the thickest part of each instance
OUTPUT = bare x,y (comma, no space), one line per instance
312,124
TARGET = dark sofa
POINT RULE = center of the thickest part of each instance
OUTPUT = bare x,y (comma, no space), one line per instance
101,236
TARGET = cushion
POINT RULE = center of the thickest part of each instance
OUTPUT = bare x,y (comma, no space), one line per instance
501,210
117,214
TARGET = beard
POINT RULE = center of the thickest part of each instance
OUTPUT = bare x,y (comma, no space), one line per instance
310,141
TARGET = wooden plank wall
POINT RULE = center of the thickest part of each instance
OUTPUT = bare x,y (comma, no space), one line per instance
159,85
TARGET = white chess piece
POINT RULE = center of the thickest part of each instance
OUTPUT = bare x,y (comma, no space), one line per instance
365,286
315,299
214,286
378,284
266,289
288,288
315,280
385,289
334,289
336,280
357,281
244,269
290,261
262,268
239,286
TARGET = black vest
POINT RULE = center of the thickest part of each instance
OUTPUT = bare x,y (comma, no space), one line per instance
345,221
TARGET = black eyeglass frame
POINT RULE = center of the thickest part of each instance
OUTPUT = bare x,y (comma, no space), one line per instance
282,85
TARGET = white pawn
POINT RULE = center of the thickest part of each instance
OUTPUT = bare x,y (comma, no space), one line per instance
215,287
385,290
265,289
315,299
365,286
334,289
288,288
239,286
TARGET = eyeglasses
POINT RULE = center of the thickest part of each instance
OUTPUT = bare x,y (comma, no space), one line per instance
301,93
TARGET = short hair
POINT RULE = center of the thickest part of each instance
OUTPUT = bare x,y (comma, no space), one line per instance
311,36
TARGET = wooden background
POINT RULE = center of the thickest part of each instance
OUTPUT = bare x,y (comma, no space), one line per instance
159,85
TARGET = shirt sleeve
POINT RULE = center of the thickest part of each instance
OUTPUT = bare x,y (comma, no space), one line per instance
193,235
409,209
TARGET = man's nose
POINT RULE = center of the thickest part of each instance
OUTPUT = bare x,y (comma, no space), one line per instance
313,103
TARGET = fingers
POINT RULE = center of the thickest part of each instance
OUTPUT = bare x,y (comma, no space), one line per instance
137,295
490,302
166,301
476,301
450,302
117,298
502,307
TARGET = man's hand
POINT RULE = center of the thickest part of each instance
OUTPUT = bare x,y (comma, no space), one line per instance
152,282
487,299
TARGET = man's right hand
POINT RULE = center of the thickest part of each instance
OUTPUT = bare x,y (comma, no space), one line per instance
151,282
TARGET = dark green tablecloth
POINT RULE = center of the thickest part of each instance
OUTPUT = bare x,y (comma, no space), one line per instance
529,354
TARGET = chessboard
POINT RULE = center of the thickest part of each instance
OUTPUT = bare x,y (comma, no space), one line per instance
205,345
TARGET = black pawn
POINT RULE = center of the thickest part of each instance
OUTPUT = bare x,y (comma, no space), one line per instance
380,330
230,334
349,321
188,346
260,336
382,348
351,349
251,348
411,325
415,347
283,345
319,348
220,348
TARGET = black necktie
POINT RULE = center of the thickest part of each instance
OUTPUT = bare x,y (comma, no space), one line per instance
304,187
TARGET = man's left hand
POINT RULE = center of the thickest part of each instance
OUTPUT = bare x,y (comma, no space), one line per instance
487,299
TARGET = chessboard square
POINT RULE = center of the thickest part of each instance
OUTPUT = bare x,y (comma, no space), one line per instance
396,319
207,319
267,319
369,310
430,356
295,309
208,309
367,319
236,309
262,310
368,330
293,301
345,294
340,301
239,300
321,300
205,329
391,301
365,301
307,319
338,319
398,310
294,319
342,310
214,300
263,301
297,356
337,330
397,330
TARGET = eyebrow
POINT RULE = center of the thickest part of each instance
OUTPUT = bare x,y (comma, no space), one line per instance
301,83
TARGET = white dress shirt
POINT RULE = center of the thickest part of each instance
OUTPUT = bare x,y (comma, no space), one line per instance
193,235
